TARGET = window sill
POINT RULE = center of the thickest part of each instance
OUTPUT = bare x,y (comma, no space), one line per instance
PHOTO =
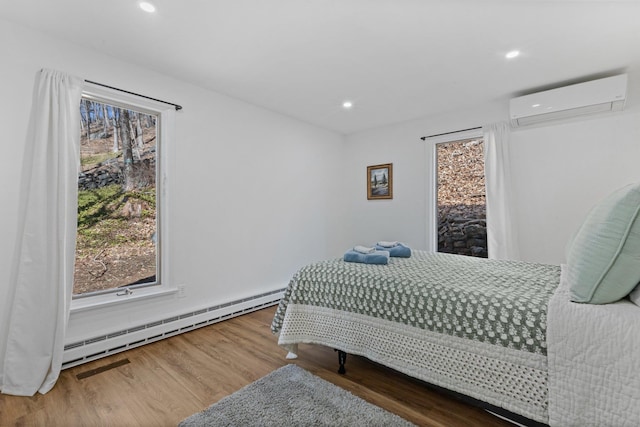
102,301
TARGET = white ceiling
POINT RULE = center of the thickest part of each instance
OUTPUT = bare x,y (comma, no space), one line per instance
395,59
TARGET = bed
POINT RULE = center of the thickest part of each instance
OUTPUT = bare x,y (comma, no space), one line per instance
501,332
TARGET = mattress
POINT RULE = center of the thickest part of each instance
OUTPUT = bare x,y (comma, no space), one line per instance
593,362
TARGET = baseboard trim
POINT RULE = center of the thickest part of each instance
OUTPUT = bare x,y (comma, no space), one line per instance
106,345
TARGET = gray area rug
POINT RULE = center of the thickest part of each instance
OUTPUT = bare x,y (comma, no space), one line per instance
291,396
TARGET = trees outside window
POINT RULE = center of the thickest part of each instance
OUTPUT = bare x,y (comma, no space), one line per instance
118,238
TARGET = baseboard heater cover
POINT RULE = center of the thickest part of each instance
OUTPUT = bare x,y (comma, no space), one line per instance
105,345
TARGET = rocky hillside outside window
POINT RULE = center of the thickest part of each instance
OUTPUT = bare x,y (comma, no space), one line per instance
461,198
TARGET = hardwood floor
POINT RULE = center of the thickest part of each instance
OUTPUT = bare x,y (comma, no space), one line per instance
169,380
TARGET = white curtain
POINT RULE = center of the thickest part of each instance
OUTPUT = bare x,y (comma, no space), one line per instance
42,274
502,241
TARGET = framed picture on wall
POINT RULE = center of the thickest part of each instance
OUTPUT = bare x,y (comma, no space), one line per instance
380,181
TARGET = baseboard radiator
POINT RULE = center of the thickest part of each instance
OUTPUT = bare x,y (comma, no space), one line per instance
102,346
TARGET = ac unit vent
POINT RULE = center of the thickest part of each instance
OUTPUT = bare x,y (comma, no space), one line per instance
596,96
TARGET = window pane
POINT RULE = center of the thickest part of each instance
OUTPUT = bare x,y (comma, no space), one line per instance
461,198
116,240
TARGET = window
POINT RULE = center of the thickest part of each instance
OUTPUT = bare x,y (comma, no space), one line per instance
461,197
119,197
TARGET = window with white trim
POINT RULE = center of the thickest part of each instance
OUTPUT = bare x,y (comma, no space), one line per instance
461,197
120,195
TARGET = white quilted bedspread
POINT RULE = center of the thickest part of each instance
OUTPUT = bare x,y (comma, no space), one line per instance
593,361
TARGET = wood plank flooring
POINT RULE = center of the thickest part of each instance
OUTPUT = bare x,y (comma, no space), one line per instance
169,380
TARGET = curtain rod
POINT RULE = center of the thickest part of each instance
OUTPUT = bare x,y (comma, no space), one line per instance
449,133
177,107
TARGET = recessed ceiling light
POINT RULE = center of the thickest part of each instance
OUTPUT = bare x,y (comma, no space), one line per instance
147,7
512,54
347,104
535,105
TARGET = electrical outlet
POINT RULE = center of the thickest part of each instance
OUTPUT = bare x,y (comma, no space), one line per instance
182,291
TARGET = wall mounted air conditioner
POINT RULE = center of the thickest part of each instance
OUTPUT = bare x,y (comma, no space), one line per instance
595,96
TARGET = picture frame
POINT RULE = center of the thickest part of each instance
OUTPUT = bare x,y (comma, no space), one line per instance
380,181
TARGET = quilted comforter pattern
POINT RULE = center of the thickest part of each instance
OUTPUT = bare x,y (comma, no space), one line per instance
497,302
474,326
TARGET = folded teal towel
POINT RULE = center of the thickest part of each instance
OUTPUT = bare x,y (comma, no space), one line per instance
387,244
364,249
399,250
377,257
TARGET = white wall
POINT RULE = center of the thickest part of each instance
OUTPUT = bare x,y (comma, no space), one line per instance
253,193
560,171
401,218
404,217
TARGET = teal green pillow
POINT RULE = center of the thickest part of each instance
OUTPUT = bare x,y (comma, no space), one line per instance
604,258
